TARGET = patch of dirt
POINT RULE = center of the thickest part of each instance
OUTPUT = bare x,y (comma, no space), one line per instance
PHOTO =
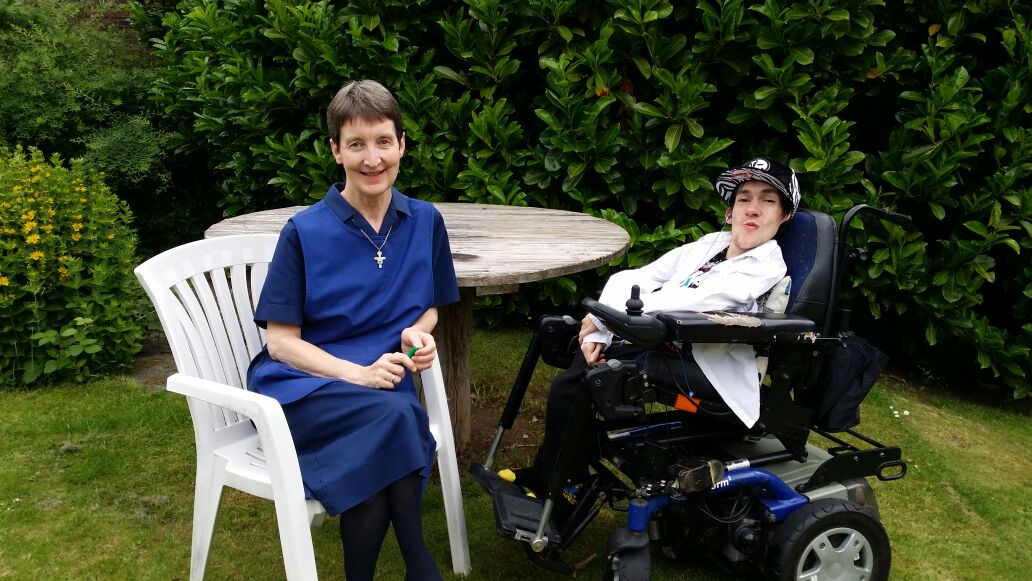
154,363
518,444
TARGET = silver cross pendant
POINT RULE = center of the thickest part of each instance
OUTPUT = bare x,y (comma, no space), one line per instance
379,258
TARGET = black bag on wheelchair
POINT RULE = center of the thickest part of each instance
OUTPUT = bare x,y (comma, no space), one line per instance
847,376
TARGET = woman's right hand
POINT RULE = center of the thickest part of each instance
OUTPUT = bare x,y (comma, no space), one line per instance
386,372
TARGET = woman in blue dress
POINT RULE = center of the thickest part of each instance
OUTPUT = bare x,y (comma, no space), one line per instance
353,286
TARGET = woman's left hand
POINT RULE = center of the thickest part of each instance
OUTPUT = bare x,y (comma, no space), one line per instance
424,342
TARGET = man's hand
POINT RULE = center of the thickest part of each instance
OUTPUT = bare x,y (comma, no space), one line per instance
593,352
587,327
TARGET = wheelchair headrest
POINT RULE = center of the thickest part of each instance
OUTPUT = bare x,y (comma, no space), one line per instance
808,246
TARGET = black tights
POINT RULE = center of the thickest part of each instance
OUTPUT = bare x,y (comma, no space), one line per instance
363,528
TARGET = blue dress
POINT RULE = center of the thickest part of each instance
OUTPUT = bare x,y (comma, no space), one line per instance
353,440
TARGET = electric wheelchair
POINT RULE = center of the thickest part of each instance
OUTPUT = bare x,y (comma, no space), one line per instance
695,481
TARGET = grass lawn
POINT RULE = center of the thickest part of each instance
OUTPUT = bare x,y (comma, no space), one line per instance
96,482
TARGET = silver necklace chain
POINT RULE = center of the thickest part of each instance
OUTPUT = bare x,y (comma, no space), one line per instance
379,258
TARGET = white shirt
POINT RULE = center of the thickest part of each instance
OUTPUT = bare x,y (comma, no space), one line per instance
673,283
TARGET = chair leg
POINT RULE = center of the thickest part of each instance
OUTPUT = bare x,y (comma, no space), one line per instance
207,495
296,539
448,466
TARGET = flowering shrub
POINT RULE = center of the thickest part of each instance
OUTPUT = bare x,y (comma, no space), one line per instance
69,304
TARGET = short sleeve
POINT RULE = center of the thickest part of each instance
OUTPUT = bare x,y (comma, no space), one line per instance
283,296
446,289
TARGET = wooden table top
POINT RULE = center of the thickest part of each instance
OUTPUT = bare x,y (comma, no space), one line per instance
495,248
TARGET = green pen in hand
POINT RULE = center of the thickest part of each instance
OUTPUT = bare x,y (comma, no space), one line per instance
412,351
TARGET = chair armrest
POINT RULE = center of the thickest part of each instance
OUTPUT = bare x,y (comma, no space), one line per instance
253,405
269,421
732,327
643,330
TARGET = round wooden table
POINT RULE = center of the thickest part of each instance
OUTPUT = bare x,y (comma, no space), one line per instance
495,249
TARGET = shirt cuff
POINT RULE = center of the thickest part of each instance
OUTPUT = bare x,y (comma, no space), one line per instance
597,322
604,337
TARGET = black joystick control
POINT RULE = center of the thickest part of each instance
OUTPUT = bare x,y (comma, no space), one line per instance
635,304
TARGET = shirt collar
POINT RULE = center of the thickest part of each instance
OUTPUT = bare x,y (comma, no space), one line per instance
398,207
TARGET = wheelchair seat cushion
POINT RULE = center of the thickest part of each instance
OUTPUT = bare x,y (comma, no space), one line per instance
807,244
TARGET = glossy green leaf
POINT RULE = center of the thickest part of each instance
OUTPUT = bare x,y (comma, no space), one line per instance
672,137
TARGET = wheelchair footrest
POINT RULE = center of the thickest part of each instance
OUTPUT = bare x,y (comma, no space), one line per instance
517,516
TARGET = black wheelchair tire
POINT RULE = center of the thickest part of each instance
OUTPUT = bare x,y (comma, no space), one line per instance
797,541
629,565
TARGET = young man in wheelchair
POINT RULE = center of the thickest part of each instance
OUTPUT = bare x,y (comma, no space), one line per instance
722,271
667,420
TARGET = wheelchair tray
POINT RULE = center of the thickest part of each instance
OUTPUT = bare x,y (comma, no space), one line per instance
732,327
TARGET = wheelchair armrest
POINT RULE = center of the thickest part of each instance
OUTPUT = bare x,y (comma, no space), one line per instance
731,327
643,330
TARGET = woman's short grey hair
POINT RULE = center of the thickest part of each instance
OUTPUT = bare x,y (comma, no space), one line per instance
366,100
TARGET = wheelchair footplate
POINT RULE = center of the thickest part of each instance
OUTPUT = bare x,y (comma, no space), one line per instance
517,515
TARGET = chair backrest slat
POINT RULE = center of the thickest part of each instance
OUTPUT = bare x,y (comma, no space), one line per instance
219,348
244,306
203,350
238,357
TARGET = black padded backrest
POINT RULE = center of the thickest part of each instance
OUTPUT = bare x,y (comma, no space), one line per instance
808,245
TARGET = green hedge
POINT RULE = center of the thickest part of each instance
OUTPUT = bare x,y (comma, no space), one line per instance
73,82
70,307
627,108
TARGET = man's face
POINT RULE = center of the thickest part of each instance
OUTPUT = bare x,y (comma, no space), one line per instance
370,154
755,216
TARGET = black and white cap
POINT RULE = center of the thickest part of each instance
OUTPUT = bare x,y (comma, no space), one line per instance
764,170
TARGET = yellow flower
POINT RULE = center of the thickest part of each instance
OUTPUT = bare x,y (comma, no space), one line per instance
48,228
76,236
16,188
37,255
32,239
82,200
37,168
76,226
110,236
28,227
4,281
62,272
63,258
29,215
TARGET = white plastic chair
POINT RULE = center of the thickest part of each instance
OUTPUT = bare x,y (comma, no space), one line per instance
205,293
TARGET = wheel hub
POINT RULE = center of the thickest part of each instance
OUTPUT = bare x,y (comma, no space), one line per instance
838,554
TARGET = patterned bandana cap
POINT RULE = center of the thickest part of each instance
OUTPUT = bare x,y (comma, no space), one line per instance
763,170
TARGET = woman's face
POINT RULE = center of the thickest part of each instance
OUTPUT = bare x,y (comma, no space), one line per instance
754,217
371,154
